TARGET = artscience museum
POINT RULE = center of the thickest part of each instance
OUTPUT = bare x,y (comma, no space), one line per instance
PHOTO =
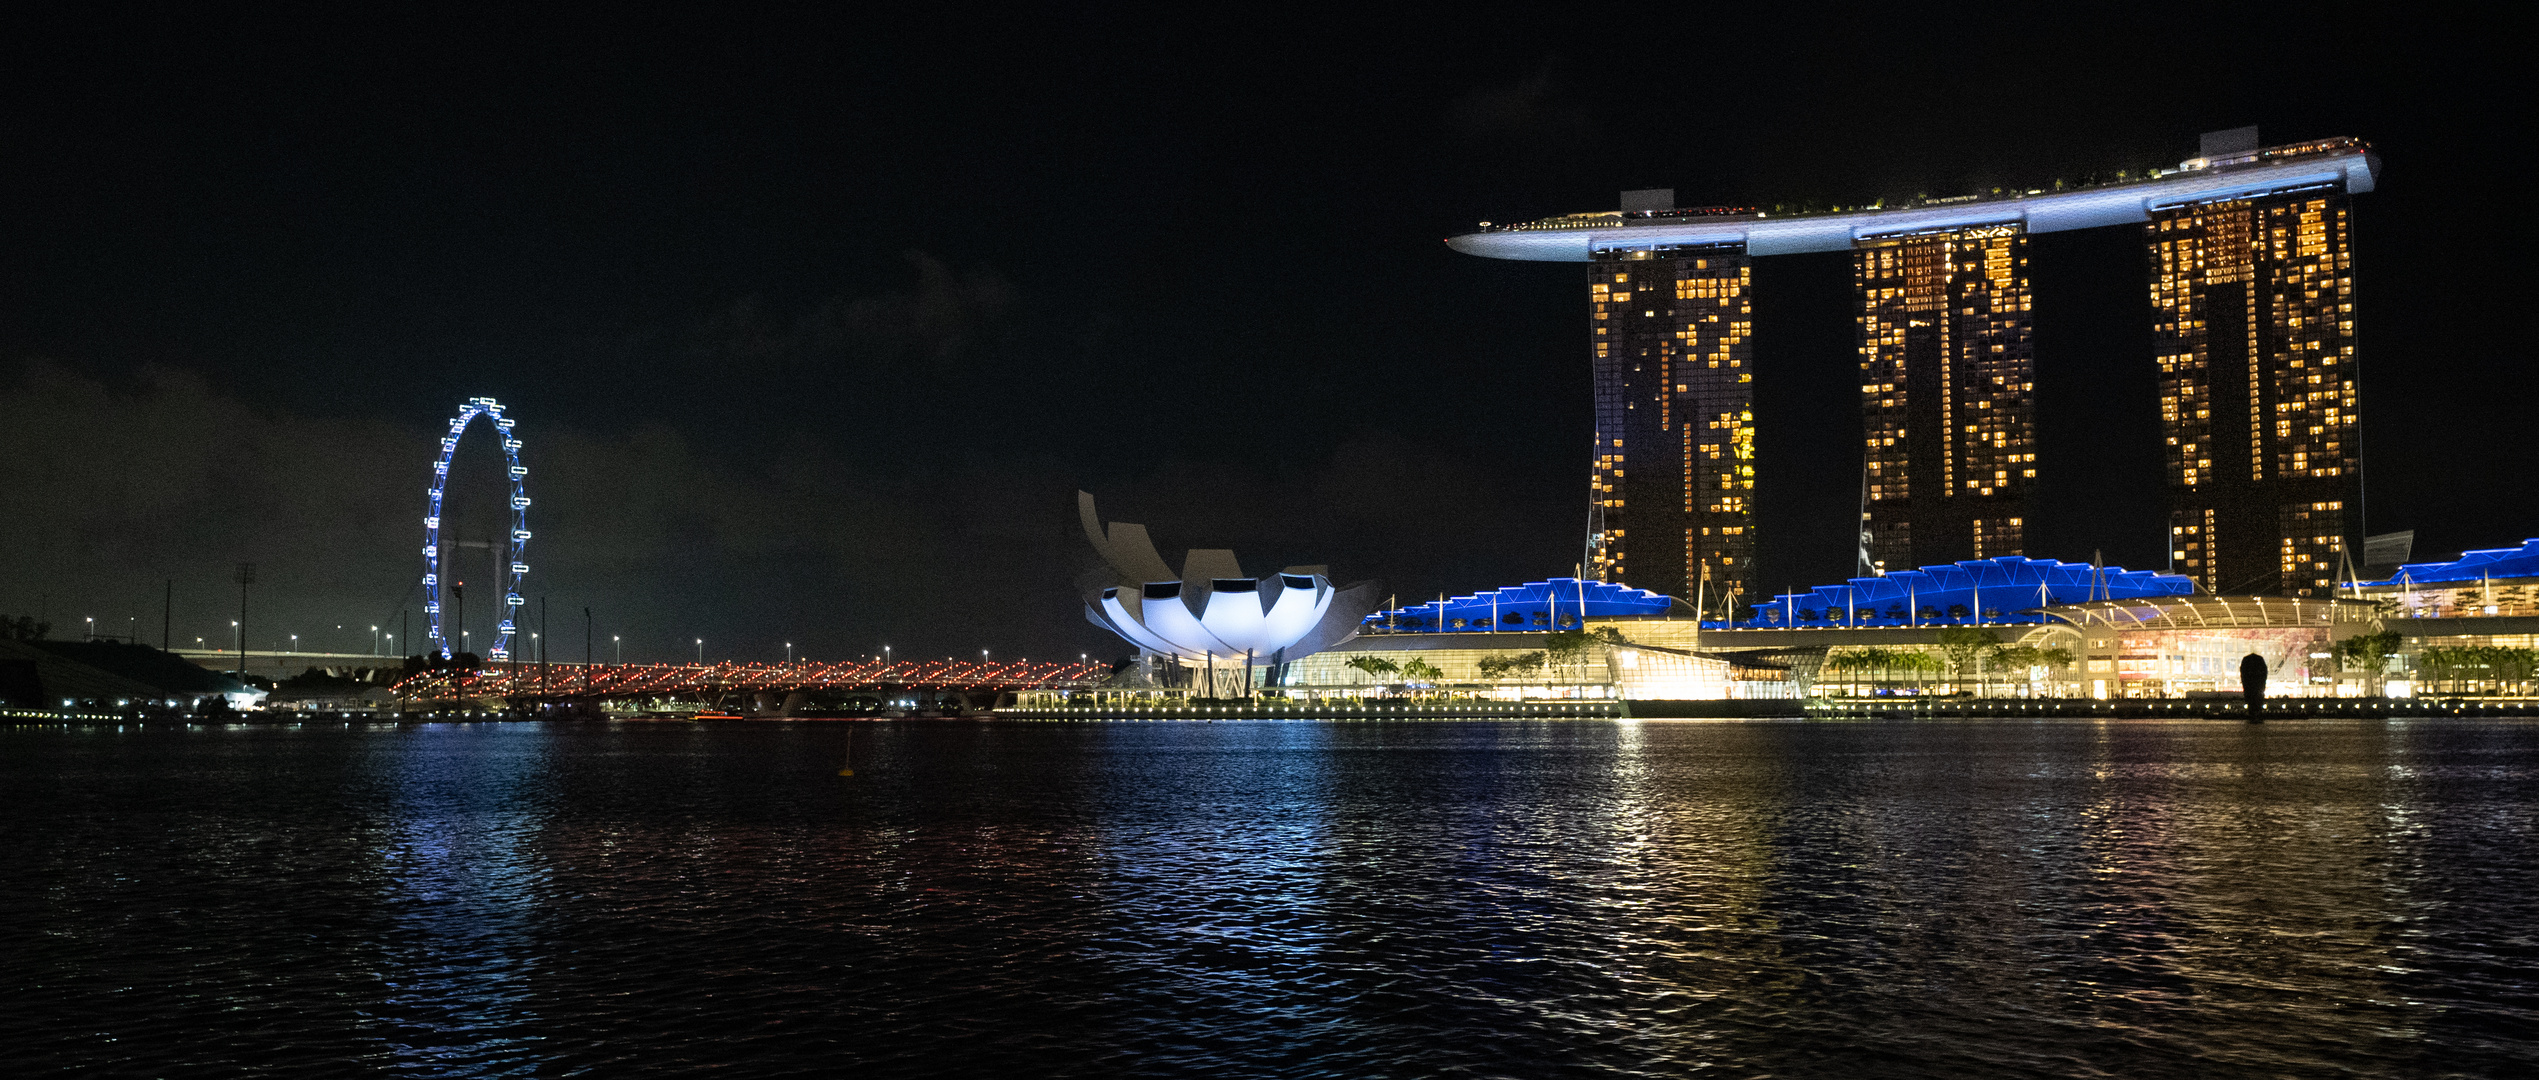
1211,611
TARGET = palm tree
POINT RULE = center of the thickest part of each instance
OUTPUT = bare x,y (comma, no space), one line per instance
1963,644
1372,665
2435,664
2018,657
2369,654
1500,667
1883,665
1416,670
1564,648
1869,660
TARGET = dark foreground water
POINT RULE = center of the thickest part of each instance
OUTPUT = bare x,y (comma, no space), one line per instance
1273,899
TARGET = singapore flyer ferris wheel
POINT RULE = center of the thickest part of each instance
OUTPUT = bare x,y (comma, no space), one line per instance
436,560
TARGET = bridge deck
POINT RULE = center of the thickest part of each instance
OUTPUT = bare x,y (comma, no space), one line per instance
661,680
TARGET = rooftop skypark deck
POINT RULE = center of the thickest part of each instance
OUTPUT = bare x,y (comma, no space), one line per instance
2346,164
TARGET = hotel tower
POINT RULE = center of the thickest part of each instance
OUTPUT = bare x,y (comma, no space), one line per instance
1946,378
2253,308
1673,483
2252,291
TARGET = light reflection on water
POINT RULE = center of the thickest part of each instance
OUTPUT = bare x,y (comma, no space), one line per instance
462,890
1303,898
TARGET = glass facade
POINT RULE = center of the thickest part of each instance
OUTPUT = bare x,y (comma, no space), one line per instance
1947,374
2253,308
1671,493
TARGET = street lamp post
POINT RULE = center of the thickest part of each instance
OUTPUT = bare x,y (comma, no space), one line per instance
789,652
374,641
246,577
619,641
700,650
92,629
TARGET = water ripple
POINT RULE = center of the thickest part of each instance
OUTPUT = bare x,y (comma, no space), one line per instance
1543,898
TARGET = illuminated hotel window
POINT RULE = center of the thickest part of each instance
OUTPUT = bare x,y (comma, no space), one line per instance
1945,349
1687,360
2252,304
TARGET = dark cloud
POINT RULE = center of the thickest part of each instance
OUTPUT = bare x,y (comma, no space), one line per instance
106,491
109,489
943,314
1203,282
1534,112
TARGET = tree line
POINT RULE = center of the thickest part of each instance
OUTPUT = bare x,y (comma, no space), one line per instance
1961,649
2457,668
1562,650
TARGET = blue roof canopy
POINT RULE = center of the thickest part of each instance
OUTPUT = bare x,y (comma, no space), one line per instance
2004,590
1556,604
2517,562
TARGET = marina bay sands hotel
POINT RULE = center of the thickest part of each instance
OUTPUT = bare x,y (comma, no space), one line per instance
2252,307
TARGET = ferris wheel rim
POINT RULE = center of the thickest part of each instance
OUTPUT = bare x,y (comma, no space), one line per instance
515,543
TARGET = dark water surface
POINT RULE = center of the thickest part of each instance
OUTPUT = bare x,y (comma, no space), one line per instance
1545,898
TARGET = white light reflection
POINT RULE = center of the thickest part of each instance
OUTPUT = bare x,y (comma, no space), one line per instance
1239,903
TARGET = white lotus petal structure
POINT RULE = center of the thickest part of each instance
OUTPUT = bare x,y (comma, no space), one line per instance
1211,610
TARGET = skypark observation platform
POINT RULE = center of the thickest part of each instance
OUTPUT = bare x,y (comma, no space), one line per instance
2333,164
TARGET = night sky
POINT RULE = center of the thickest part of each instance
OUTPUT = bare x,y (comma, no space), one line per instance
812,330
